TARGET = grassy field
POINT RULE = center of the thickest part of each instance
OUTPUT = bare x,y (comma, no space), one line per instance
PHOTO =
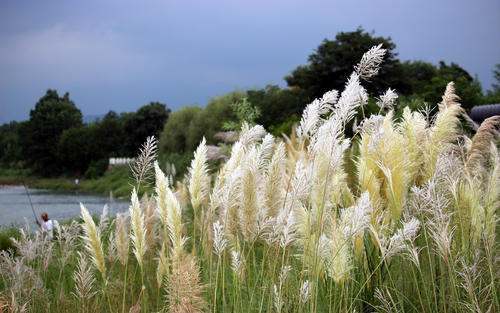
407,224
117,180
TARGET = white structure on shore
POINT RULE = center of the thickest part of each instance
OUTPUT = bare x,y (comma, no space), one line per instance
120,161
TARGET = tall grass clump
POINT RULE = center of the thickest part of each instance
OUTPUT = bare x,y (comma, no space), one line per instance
400,217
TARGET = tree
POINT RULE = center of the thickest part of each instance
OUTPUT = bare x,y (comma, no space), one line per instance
333,61
10,143
51,116
109,136
175,135
467,88
276,104
147,121
76,149
496,76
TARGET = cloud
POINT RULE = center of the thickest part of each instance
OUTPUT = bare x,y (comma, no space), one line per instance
58,53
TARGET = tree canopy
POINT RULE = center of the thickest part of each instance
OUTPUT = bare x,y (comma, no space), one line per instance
51,116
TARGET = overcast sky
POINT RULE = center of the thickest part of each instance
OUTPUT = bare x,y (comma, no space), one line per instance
118,55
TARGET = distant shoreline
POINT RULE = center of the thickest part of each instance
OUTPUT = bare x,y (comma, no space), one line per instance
116,181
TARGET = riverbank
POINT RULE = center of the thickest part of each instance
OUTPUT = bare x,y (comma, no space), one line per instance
116,180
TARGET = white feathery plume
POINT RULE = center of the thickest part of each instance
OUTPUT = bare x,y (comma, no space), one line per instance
143,164
122,238
84,281
353,96
138,230
220,243
199,180
248,197
93,243
265,151
399,241
250,135
285,270
370,62
104,219
357,218
283,228
274,181
336,254
170,213
311,117
161,186
305,292
387,100
236,263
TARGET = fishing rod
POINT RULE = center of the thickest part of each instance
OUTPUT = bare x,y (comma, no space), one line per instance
31,203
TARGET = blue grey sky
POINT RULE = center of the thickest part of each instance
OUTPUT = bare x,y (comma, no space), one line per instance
118,55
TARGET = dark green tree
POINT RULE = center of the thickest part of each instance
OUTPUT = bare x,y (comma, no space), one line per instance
147,121
109,136
10,144
76,149
51,116
333,61
467,88
276,105
496,76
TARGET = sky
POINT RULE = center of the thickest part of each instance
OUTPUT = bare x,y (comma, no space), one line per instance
119,55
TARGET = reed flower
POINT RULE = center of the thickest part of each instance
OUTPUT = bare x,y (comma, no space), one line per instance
237,263
387,100
84,281
138,230
399,241
305,292
370,62
220,243
162,269
141,168
185,292
122,238
93,243
199,181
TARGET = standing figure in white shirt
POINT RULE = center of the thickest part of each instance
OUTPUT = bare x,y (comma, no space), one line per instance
48,225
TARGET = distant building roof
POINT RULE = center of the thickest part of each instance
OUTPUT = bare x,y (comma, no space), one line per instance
481,112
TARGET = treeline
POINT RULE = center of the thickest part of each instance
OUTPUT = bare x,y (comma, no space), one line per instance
55,141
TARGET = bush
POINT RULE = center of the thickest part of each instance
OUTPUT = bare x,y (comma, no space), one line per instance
5,234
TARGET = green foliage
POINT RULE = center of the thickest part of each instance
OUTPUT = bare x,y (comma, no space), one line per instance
496,76
276,104
185,128
176,136
147,121
6,234
96,169
10,144
51,116
285,127
469,89
245,112
75,149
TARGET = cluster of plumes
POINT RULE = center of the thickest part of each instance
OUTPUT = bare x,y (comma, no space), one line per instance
413,175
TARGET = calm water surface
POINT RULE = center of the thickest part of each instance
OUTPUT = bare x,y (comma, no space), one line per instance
15,206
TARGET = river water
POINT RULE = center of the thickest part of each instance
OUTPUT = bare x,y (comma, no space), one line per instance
15,205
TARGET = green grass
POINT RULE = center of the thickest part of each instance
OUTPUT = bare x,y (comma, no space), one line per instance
116,180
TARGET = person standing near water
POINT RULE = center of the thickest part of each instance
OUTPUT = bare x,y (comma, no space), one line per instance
47,225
